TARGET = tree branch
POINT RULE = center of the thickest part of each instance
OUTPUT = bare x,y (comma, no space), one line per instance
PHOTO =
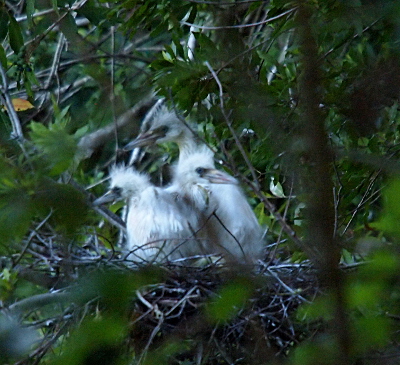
39,300
89,143
317,178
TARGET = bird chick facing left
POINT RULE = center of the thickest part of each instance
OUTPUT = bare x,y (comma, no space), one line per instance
156,228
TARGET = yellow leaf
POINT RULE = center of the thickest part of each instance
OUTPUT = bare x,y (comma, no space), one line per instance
20,105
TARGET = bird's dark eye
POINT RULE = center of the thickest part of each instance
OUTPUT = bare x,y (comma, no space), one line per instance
200,171
117,190
162,130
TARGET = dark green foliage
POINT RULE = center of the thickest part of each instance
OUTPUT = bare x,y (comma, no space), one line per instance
15,214
231,299
4,18
56,145
15,35
67,206
389,219
96,341
84,64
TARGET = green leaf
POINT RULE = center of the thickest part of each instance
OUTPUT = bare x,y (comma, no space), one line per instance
95,341
375,331
321,350
104,284
3,56
61,116
68,205
320,308
390,218
15,34
30,9
15,212
30,79
54,4
94,14
276,189
58,146
81,131
70,30
232,298
365,294
16,340
4,19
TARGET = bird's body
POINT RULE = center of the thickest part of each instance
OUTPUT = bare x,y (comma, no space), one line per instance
237,225
158,227
193,184
156,232
232,226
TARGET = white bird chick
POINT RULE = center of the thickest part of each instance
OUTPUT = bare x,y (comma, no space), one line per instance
227,219
198,168
125,183
158,227
161,125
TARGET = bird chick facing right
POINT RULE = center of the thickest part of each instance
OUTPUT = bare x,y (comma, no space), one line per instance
226,219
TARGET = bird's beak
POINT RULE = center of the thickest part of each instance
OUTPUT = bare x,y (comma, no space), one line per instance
109,197
145,139
215,176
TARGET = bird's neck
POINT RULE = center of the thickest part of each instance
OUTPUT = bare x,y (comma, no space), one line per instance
188,143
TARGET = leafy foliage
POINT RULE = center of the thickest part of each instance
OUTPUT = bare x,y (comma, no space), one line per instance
300,100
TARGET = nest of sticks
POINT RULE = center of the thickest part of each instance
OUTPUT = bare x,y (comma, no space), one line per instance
263,327
176,309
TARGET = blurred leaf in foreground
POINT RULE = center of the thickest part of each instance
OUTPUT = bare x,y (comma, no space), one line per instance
15,340
232,297
390,218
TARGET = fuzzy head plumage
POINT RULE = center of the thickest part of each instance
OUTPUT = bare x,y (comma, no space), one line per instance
125,183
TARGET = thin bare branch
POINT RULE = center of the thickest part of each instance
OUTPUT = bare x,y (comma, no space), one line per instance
56,60
229,124
39,300
269,20
6,99
110,216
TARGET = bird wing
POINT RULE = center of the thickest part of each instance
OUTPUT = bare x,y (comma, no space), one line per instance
158,226
237,219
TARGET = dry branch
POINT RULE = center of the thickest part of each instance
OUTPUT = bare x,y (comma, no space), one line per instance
89,143
39,300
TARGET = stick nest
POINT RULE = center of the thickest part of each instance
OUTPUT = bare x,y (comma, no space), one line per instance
265,325
177,309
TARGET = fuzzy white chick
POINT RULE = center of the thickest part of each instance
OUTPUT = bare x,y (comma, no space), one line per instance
191,182
235,226
159,228
221,206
